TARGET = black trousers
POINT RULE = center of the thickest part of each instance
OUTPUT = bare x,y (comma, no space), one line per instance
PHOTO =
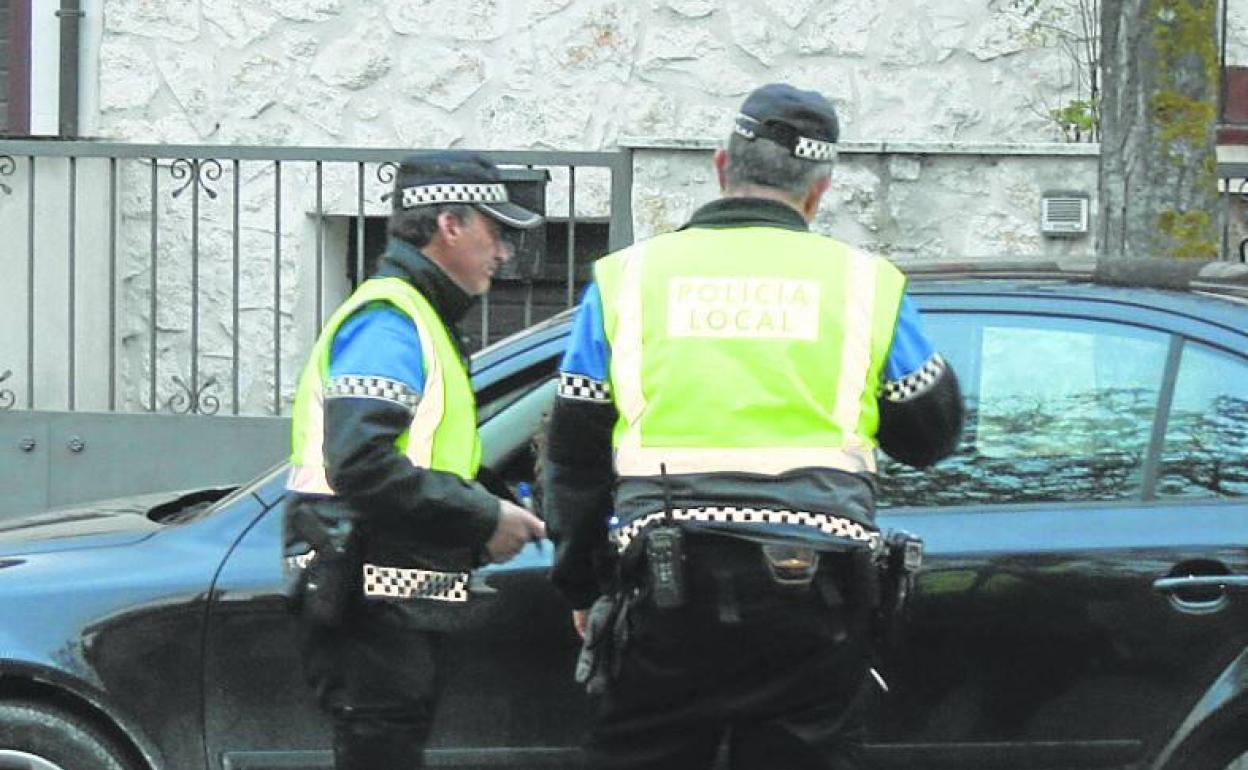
376,678
782,676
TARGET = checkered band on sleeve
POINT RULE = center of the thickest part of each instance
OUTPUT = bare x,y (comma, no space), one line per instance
581,388
352,386
432,194
916,384
813,149
401,583
827,523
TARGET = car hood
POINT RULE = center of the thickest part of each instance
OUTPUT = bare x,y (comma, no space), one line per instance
89,525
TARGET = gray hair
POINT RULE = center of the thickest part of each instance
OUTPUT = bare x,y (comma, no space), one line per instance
418,225
762,163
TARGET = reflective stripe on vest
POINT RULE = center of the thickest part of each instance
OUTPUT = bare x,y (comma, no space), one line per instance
754,349
443,432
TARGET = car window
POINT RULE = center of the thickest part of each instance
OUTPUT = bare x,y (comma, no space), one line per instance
1205,453
498,396
510,430
1058,410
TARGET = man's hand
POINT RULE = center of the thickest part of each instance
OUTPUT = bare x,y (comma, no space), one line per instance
580,619
516,527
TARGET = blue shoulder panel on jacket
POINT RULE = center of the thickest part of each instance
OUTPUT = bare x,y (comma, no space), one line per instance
378,340
911,347
588,354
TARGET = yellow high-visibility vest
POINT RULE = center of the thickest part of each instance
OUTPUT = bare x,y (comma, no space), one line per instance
443,432
753,349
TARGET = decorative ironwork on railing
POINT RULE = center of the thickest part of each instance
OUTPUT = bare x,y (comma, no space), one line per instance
7,167
191,400
192,279
7,397
196,171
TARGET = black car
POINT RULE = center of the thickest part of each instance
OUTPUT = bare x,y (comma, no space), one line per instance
1083,601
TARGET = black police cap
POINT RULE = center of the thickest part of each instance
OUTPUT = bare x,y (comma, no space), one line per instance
804,122
443,177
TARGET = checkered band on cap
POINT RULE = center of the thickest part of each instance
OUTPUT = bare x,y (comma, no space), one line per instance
806,148
583,388
431,194
743,126
917,383
813,149
827,523
402,583
354,386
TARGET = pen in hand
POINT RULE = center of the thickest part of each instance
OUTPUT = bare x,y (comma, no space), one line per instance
524,494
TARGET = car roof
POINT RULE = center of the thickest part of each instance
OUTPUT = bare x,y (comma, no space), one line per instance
1215,292
1224,310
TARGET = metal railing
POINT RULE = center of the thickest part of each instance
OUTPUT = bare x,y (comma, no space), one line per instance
193,279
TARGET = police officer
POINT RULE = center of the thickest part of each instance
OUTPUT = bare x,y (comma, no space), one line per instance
384,462
710,463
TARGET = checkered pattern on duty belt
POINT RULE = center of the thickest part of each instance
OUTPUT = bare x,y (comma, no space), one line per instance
827,523
403,583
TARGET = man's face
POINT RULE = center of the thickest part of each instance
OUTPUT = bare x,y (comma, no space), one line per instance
476,252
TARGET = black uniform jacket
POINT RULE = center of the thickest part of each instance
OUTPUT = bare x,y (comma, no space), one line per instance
404,509
578,479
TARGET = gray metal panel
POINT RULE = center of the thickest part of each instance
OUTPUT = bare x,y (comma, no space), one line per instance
83,456
24,449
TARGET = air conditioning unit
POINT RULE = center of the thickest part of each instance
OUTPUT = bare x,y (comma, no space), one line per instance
1064,214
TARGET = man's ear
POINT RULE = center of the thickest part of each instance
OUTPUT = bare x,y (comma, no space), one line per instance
721,166
811,204
449,225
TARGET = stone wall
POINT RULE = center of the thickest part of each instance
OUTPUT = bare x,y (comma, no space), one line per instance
571,74
907,201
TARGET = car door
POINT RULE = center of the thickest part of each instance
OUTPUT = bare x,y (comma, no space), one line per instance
508,698
1060,619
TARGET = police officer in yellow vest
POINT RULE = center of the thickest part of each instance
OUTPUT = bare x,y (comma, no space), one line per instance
710,462
384,514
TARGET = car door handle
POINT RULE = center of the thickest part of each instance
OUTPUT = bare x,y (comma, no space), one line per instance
1200,594
1171,584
